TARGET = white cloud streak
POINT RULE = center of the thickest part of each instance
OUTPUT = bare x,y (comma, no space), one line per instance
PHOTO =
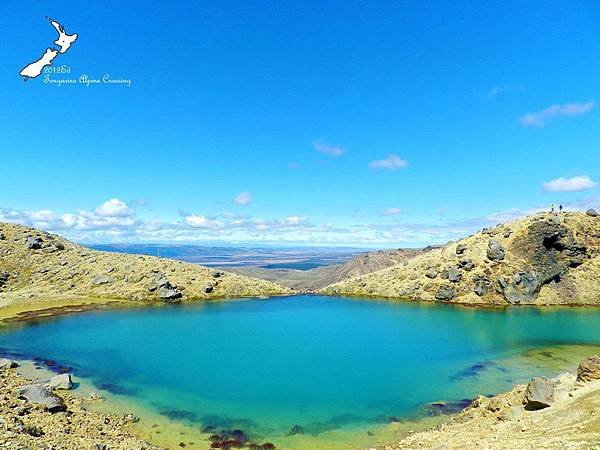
328,149
392,162
391,212
542,117
244,198
573,184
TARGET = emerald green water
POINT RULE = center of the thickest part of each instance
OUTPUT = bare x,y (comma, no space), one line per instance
321,363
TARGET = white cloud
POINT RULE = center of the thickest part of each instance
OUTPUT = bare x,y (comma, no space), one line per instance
329,150
88,226
114,208
573,184
196,220
391,212
392,162
243,198
502,88
541,118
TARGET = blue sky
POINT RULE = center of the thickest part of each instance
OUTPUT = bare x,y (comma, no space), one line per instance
345,123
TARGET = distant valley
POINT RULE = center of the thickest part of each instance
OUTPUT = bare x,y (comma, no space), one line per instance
302,269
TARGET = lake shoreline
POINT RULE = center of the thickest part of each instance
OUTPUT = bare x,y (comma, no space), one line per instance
30,425
143,431
498,422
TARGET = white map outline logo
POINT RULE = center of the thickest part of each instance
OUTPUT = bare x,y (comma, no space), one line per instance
64,42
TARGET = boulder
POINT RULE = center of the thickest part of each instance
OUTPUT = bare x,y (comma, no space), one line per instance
495,251
523,287
589,369
592,212
3,278
445,293
431,273
482,285
61,381
466,263
169,294
159,281
454,274
539,393
41,395
460,249
102,279
2,237
208,288
444,272
34,242
6,363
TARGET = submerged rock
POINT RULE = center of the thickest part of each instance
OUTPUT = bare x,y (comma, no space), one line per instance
439,408
41,395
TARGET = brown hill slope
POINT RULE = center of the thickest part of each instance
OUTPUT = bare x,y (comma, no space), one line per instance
548,258
318,278
36,264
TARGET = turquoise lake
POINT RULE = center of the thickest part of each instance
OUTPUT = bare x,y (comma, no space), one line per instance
320,363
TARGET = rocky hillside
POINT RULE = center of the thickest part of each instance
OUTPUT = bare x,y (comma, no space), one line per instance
559,413
34,264
318,278
548,258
